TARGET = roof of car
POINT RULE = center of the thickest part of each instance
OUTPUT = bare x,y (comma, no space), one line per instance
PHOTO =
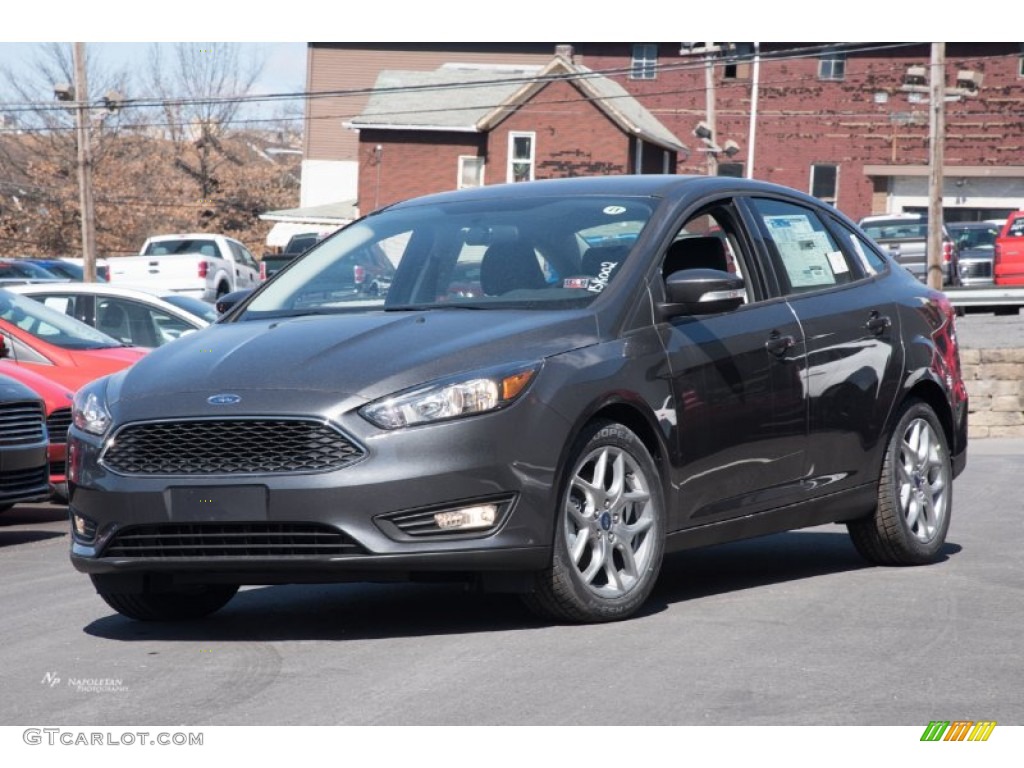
640,185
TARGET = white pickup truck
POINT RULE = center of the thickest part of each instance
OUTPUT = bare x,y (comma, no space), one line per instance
202,265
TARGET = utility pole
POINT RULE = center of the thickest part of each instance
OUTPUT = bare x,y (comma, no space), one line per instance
88,213
755,85
936,154
709,98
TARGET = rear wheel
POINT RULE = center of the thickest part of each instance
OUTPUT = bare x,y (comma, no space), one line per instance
610,532
178,605
915,494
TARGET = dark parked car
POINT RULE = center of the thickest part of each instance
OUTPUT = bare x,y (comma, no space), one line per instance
975,242
24,465
751,363
69,270
272,263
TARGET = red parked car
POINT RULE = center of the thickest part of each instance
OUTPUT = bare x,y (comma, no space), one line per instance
55,355
1008,259
57,346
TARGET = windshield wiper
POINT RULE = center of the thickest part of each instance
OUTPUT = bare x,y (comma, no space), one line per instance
427,307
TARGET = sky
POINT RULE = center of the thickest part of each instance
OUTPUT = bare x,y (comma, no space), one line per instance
284,70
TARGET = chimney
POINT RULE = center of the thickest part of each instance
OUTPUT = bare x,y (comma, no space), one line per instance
565,51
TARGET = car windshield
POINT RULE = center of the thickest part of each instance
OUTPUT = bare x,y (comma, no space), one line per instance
20,269
975,237
51,326
509,253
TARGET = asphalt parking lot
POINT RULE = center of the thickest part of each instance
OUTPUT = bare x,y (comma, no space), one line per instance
793,629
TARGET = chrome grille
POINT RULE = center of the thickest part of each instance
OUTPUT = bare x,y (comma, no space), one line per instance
58,423
228,447
976,269
21,423
230,540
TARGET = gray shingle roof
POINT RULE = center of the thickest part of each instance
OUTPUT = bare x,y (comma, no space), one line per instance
478,99
445,99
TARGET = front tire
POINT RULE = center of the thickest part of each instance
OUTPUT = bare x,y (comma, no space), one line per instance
178,605
915,494
609,533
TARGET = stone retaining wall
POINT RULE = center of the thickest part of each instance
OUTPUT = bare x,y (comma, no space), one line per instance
995,384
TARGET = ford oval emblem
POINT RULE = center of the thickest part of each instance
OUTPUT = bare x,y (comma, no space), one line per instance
224,399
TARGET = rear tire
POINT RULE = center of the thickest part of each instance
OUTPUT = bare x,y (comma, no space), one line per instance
609,533
915,494
180,605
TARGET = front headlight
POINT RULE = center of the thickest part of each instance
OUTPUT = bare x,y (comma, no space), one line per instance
466,396
89,409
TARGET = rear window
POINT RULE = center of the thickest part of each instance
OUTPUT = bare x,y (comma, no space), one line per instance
1016,227
190,245
896,229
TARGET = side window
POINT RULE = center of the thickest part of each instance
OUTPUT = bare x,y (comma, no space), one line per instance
805,255
870,260
65,304
710,240
248,258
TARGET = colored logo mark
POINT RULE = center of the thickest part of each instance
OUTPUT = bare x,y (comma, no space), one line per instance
958,730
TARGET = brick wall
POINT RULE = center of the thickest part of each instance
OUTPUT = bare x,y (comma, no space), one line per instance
995,384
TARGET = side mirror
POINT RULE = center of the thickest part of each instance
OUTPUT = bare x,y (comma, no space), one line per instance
229,300
701,292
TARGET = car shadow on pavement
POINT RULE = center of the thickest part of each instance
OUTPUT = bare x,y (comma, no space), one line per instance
26,523
375,611
13,538
782,557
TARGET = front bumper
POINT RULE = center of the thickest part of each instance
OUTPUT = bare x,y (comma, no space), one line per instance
439,467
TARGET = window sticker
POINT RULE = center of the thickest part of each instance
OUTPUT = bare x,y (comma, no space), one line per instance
839,265
576,282
597,284
804,251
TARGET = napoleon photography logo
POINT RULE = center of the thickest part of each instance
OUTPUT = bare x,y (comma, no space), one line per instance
958,730
86,684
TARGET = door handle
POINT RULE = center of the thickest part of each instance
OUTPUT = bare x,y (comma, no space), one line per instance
878,324
778,344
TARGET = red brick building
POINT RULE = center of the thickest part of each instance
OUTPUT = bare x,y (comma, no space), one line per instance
846,122
422,132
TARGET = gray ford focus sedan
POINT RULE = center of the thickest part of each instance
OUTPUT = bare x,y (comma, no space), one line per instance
560,382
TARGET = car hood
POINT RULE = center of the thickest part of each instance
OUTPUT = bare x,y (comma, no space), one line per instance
359,357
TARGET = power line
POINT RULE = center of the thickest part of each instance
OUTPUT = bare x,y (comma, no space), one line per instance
697,62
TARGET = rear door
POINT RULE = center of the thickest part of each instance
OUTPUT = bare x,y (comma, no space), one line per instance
850,327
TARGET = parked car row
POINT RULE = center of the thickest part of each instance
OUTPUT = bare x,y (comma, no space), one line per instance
55,337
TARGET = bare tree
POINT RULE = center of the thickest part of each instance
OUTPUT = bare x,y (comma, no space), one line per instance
202,88
38,149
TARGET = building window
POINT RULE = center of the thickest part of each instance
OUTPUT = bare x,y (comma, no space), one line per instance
1020,67
521,156
471,171
737,62
645,62
731,169
832,66
824,182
